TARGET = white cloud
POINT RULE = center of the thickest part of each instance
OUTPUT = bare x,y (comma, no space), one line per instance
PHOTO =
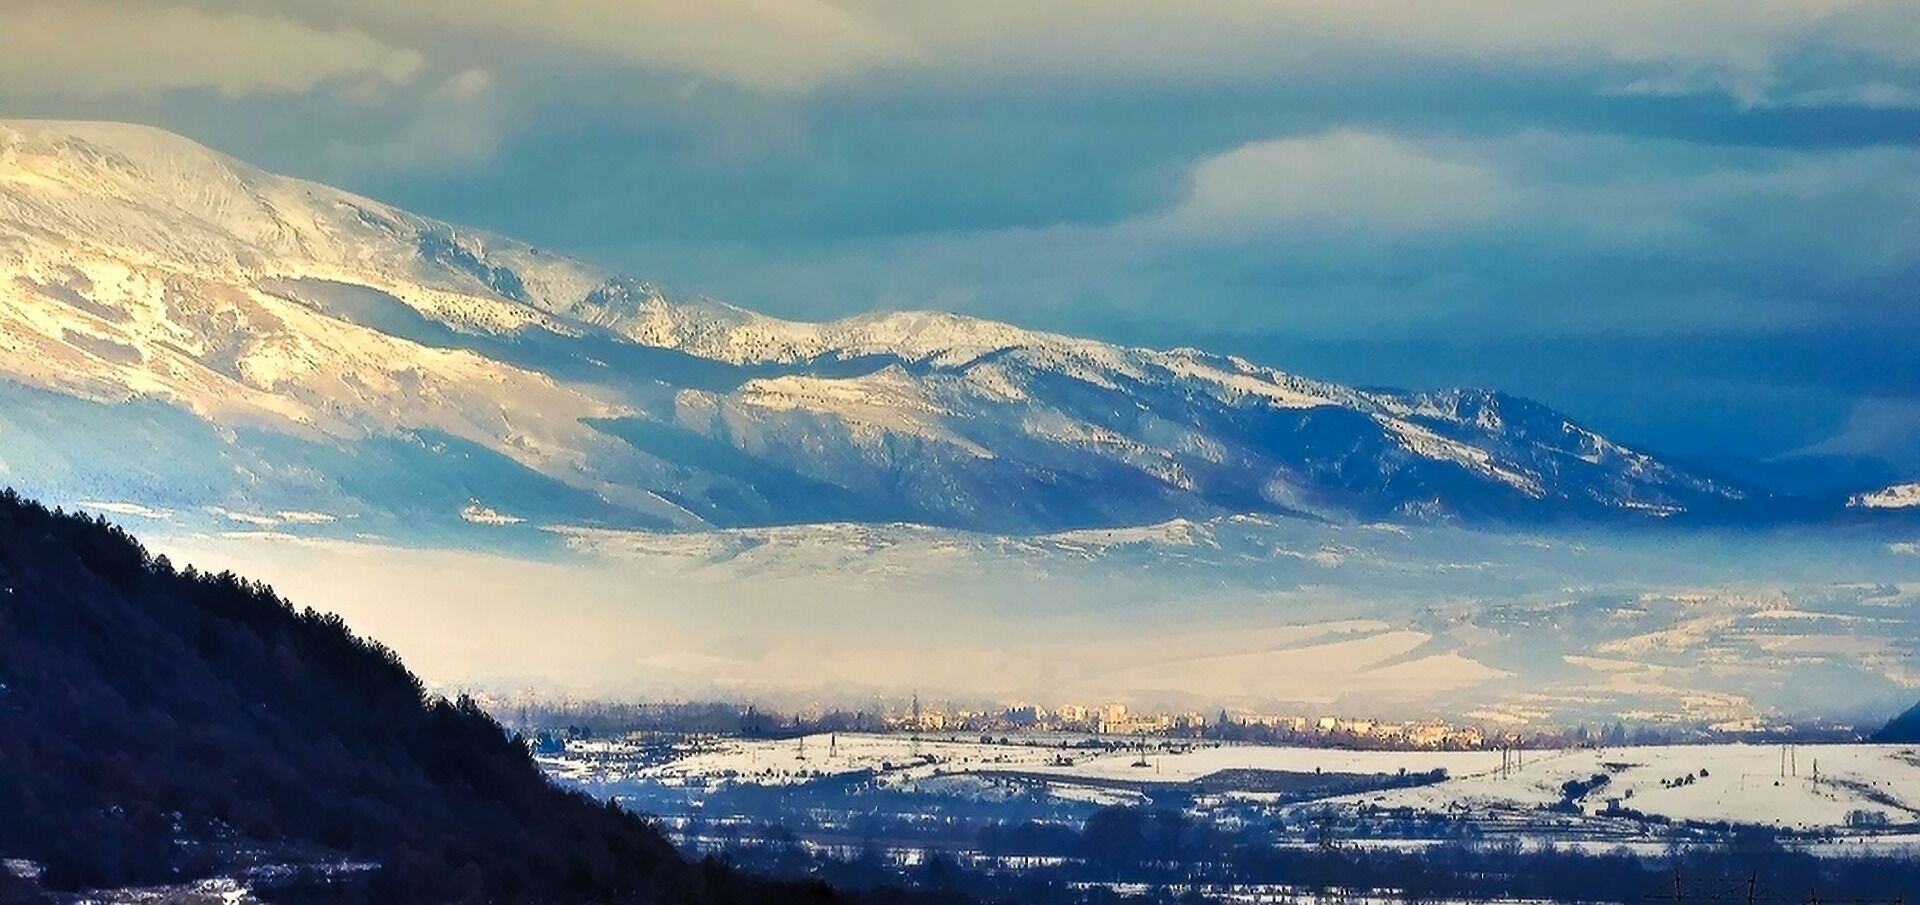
1836,215
88,48
1350,233
1342,181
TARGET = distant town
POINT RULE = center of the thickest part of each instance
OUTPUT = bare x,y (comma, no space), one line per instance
1118,720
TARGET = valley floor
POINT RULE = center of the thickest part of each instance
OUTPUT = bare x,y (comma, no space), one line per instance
1832,796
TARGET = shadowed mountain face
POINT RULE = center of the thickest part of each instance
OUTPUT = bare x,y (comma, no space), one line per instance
158,726
183,331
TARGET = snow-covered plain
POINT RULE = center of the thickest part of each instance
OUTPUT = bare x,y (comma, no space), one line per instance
1837,788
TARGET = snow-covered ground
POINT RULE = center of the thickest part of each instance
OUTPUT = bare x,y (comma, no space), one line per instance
1823,786
1838,788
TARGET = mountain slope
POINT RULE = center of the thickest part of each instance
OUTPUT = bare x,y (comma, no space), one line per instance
158,726
1902,729
1896,496
322,337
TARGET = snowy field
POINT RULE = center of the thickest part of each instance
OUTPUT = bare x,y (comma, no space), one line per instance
1843,789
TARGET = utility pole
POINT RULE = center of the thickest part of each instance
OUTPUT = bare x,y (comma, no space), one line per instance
1709,891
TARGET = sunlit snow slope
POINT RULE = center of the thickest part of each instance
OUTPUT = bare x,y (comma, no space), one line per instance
1897,496
181,331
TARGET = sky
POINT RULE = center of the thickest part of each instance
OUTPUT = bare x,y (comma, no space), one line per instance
1693,226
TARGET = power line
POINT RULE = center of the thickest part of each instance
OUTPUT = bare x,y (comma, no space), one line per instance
1748,891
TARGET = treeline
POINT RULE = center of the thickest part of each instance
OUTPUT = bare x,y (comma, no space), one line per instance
158,725
609,719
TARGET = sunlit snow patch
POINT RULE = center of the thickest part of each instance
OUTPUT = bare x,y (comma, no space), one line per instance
1898,496
482,515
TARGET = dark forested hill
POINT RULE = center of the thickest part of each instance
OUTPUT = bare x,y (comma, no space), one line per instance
159,725
1902,728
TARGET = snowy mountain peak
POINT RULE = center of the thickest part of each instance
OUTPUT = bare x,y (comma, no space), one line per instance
1897,496
322,346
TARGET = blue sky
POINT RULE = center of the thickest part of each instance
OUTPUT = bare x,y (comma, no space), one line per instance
1695,226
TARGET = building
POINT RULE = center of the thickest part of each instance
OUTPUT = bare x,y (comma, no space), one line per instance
1144,724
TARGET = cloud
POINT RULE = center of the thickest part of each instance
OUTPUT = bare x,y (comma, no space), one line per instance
1345,180
1369,234
1812,223
778,46
1750,51
87,48
1757,53
1871,95
1736,47
456,126
1789,52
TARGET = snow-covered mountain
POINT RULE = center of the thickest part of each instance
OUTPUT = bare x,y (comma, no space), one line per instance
1896,496
181,330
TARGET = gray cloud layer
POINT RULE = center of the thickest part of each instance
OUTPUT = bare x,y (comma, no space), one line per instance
86,48
1757,52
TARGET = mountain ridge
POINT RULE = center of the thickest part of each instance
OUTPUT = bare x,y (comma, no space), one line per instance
139,266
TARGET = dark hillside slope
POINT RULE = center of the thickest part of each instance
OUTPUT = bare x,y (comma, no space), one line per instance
1904,728
159,725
